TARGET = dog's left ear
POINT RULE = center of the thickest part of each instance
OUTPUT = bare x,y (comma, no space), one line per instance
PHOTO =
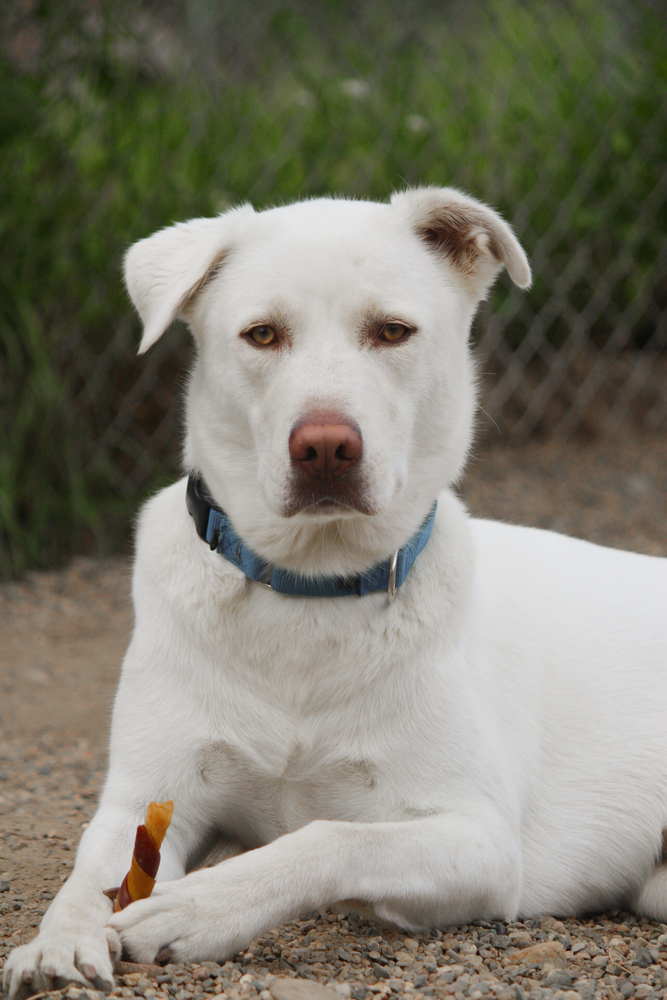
469,234
165,272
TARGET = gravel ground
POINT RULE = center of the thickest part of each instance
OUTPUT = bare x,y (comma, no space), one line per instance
62,636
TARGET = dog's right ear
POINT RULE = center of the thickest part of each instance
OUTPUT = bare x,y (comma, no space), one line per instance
165,272
467,233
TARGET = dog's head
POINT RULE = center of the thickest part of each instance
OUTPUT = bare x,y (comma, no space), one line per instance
333,393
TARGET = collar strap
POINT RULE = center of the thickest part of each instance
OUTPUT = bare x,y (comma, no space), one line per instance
214,527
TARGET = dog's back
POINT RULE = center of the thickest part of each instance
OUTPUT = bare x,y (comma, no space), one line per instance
578,633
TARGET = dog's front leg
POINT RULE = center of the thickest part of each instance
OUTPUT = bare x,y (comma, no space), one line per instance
74,944
442,870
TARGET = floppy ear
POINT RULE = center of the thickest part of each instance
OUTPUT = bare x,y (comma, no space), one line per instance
165,272
476,241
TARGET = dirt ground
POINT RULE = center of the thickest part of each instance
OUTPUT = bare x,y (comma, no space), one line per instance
62,638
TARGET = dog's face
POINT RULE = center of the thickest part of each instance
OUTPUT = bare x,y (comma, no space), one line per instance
333,393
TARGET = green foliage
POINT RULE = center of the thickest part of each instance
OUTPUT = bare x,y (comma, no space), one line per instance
121,121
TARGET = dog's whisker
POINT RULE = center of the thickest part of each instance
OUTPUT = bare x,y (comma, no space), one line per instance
486,413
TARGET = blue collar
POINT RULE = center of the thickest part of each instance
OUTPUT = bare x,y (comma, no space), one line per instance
214,526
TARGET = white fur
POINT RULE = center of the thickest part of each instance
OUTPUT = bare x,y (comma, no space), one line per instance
492,744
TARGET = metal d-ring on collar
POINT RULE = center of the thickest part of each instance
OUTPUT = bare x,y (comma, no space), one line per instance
391,583
213,525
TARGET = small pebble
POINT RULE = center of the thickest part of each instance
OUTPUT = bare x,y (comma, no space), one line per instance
558,978
301,989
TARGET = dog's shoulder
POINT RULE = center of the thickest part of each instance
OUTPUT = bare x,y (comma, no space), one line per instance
173,566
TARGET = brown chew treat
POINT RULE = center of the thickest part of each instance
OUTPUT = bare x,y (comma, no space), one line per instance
158,818
139,881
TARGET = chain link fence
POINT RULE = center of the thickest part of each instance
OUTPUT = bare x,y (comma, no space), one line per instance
119,117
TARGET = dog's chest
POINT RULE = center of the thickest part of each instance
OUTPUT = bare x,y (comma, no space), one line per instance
285,748
265,787
318,711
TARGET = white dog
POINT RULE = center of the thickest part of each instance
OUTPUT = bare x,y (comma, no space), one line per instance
435,718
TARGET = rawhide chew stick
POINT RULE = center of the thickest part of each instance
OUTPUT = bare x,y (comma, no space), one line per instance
139,881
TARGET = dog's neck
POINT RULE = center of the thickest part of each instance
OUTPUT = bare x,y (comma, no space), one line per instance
214,527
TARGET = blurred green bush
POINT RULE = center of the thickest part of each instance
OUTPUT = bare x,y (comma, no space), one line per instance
119,117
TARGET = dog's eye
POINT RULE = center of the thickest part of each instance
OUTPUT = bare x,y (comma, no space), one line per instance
262,335
392,333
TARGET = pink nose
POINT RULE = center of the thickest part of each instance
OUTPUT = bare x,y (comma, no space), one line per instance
325,446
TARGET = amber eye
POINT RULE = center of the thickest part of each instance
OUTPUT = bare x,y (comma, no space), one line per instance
262,335
391,333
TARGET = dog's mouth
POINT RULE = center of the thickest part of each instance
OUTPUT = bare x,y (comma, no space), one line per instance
334,507
328,507
344,499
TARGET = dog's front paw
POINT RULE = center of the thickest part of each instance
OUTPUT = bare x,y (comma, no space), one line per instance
183,921
56,958
149,926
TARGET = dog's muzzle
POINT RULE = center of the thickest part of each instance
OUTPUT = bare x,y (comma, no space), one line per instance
325,450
